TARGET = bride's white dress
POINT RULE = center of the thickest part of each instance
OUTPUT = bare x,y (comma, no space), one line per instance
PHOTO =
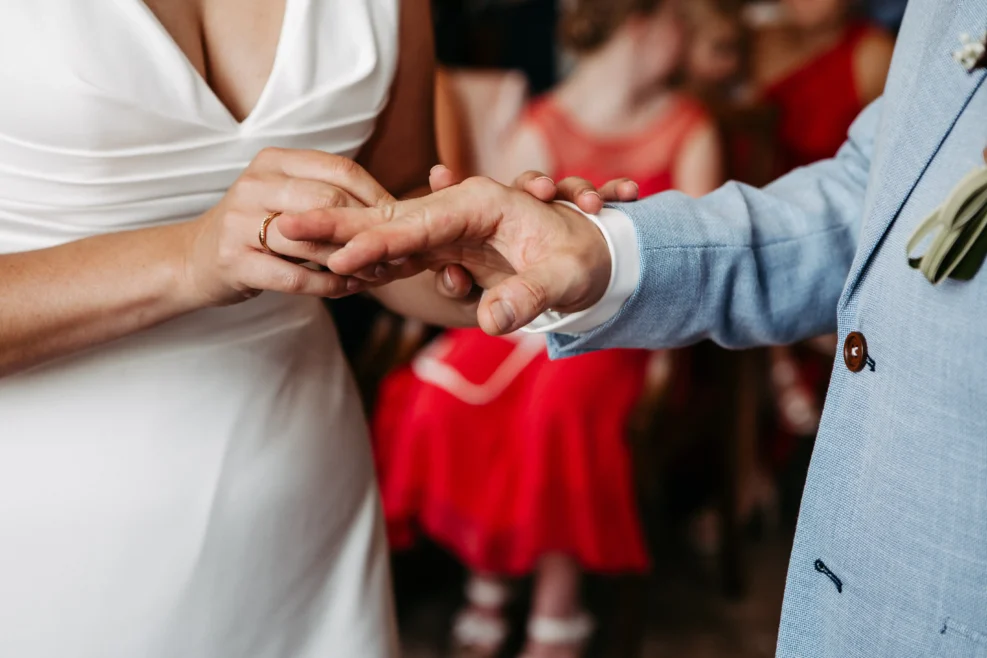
203,489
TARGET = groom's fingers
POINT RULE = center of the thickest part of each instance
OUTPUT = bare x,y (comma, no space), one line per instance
465,213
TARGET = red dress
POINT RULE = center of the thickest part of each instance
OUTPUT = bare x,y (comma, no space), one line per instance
817,102
816,105
498,453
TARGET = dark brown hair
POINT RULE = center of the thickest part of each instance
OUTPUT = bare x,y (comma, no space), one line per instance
697,10
588,24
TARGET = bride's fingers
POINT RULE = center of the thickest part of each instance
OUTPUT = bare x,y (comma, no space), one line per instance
313,252
582,193
442,177
620,189
537,185
264,272
338,171
454,281
301,235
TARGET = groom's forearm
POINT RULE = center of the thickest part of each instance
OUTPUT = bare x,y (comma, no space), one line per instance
742,266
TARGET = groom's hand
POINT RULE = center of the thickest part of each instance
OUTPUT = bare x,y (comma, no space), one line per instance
528,255
454,281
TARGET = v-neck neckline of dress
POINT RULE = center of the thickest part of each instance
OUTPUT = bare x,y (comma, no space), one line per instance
169,47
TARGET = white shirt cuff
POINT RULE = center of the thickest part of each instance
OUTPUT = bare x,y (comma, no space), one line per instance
625,273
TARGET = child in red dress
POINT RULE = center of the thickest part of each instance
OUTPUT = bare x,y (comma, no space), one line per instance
515,463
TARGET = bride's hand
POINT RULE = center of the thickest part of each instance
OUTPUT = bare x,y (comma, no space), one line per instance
224,260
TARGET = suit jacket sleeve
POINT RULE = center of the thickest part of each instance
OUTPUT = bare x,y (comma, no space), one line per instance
743,266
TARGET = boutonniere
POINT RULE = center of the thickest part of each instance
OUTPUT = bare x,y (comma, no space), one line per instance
958,242
972,53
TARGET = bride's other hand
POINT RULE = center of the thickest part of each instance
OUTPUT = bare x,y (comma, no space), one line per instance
225,261
573,189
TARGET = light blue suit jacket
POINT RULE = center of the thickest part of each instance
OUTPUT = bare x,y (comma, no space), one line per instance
896,501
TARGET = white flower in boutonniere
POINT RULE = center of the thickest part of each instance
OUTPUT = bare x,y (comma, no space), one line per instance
972,53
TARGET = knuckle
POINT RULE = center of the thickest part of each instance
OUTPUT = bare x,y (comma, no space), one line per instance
292,281
484,187
332,198
248,185
226,253
268,156
344,166
331,286
477,182
536,293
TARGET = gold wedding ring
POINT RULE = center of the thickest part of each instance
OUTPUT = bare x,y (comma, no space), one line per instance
262,234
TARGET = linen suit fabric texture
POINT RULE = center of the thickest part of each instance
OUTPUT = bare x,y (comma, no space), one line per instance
896,499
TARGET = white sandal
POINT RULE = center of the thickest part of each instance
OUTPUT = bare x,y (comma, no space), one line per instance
572,631
480,632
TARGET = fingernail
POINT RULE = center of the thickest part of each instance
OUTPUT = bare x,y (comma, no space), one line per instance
593,193
436,168
400,261
637,188
380,271
545,178
352,285
447,280
503,315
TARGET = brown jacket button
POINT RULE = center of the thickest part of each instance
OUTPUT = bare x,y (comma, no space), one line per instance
855,352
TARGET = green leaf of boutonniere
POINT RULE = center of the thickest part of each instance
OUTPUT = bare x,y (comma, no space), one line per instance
955,231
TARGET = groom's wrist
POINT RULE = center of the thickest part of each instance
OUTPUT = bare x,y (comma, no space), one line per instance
625,271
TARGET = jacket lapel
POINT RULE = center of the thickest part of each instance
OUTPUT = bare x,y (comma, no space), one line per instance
926,95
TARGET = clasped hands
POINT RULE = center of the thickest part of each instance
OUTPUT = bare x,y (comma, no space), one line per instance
525,254
520,253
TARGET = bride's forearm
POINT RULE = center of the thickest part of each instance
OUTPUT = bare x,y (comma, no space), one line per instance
418,298
67,298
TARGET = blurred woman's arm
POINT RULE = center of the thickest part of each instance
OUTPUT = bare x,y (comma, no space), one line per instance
871,62
699,168
452,131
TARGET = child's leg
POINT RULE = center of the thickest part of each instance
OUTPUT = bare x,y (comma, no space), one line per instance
558,627
480,629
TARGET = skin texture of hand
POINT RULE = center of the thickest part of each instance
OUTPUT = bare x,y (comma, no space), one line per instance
454,281
526,254
224,260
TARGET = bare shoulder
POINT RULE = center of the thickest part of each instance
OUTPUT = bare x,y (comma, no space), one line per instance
871,61
875,42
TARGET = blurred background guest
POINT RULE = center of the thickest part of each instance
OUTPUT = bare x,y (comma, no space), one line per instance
515,463
818,65
519,468
715,60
